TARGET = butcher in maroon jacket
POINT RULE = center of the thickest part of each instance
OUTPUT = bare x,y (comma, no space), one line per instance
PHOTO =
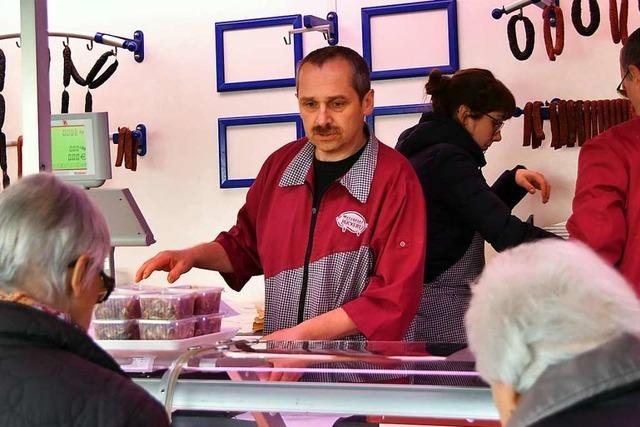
606,207
335,221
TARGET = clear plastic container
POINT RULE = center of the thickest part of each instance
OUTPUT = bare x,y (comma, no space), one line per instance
167,305
167,329
121,305
116,329
208,324
207,298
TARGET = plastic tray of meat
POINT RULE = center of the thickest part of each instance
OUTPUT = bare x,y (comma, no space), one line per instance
167,305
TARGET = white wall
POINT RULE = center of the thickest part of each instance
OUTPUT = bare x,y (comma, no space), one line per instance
173,92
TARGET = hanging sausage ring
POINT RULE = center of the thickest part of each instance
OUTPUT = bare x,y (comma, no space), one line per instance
553,49
619,30
594,17
520,55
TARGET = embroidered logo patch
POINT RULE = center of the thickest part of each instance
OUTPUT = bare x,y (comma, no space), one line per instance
352,221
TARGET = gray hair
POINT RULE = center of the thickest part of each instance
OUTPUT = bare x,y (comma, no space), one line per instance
541,303
45,225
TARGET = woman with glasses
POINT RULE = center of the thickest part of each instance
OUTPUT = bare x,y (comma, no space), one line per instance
53,242
446,148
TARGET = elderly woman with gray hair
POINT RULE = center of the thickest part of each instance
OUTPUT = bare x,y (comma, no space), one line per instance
53,242
554,330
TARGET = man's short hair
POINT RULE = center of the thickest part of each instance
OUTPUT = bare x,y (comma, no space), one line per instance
361,79
541,303
630,52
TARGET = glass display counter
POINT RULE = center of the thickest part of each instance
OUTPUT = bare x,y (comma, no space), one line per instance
321,383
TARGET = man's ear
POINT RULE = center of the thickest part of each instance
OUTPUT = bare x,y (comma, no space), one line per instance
367,103
78,274
635,72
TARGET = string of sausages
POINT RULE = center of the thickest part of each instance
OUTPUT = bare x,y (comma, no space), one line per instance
553,48
572,122
92,81
618,23
3,138
127,149
554,43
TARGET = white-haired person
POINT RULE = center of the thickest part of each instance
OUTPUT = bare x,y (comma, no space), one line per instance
554,330
53,243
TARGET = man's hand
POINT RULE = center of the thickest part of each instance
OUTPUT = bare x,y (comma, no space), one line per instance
290,334
280,364
532,181
175,262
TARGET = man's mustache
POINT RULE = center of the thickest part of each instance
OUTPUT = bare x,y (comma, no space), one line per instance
325,130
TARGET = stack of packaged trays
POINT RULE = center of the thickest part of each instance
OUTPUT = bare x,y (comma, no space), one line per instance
171,313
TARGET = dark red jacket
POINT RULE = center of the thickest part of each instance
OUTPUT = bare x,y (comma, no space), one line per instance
363,250
606,207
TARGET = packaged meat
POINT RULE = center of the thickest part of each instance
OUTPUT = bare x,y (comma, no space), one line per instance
167,329
121,305
167,305
208,324
116,329
207,298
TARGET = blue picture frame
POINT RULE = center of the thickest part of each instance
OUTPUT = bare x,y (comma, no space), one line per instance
225,122
221,27
392,110
454,61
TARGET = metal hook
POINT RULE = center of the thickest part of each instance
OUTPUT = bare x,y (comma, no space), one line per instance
18,43
90,45
65,44
521,12
115,51
287,41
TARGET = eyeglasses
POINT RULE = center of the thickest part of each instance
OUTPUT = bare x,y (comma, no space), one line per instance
620,89
497,124
108,284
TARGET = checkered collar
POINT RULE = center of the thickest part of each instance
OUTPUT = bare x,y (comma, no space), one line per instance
357,180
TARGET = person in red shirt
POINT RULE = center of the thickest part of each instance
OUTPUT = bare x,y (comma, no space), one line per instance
335,221
606,206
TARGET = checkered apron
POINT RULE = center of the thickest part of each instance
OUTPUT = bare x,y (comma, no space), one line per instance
445,300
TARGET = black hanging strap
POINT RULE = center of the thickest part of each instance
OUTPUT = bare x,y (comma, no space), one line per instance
3,66
3,160
70,68
2,110
594,17
93,80
88,102
3,138
520,55
104,76
64,109
98,66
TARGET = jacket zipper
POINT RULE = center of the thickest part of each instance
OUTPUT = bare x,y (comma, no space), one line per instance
307,257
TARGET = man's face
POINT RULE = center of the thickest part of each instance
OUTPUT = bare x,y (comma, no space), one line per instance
331,110
631,85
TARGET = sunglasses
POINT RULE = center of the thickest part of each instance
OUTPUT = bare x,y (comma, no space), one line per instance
497,123
108,284
620,89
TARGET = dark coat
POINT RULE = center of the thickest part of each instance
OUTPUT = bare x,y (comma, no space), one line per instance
599,388
459,200
53,374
